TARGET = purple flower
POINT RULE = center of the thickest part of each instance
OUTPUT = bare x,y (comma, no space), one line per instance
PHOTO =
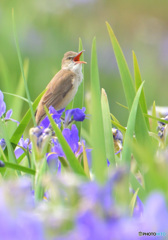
2,164
71,137
18,219
108,163
22,144
139,208
2,143
8,116
2,104
77,114
56,115
40,139
53,162
3,109
155,215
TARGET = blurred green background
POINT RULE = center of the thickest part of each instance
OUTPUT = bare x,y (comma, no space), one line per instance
46,29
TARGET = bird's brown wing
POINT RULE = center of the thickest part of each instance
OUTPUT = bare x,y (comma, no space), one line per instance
57,89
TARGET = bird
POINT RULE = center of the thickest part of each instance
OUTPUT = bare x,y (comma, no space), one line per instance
63,86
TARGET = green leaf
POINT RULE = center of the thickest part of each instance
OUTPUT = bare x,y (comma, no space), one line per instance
156,118
123,68
99,161
73,161
126,153
24,122
19,168
16,166
39,189
79,97
133,201
154,173
108,136
136,185
4,134
119,126
154,123
114,118
64,163
22,69
141,130
17,96
85,162
20,91
138,82
145,115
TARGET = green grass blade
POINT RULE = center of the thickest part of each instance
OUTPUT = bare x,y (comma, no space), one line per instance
119,126
4,134
154,123
156,118
99,161
108,136
20,91
22,70
154,173
79,97
141,129
17,96
127,149
135,184
85,162
114,118
73,161
145,115
16,166
133,201
138,81
19,168
24,122
123,68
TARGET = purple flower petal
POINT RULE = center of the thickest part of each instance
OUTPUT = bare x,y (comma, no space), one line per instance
2,143
2,104
8,114
72,137
77,113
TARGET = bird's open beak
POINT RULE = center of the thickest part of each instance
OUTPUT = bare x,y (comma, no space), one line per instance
77,57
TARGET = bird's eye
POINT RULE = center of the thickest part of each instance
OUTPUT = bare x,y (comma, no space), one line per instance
69,58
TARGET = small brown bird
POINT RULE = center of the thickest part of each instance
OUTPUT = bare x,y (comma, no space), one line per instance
64,85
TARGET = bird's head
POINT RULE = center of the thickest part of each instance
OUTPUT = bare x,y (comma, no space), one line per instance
71,60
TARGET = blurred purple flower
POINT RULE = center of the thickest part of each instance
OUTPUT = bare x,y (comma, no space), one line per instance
77,114
53,162
71,137
156,211
18,220
2,143
8,116
108,163
2,104
139,208
3,109
2,164
56,115
22,144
